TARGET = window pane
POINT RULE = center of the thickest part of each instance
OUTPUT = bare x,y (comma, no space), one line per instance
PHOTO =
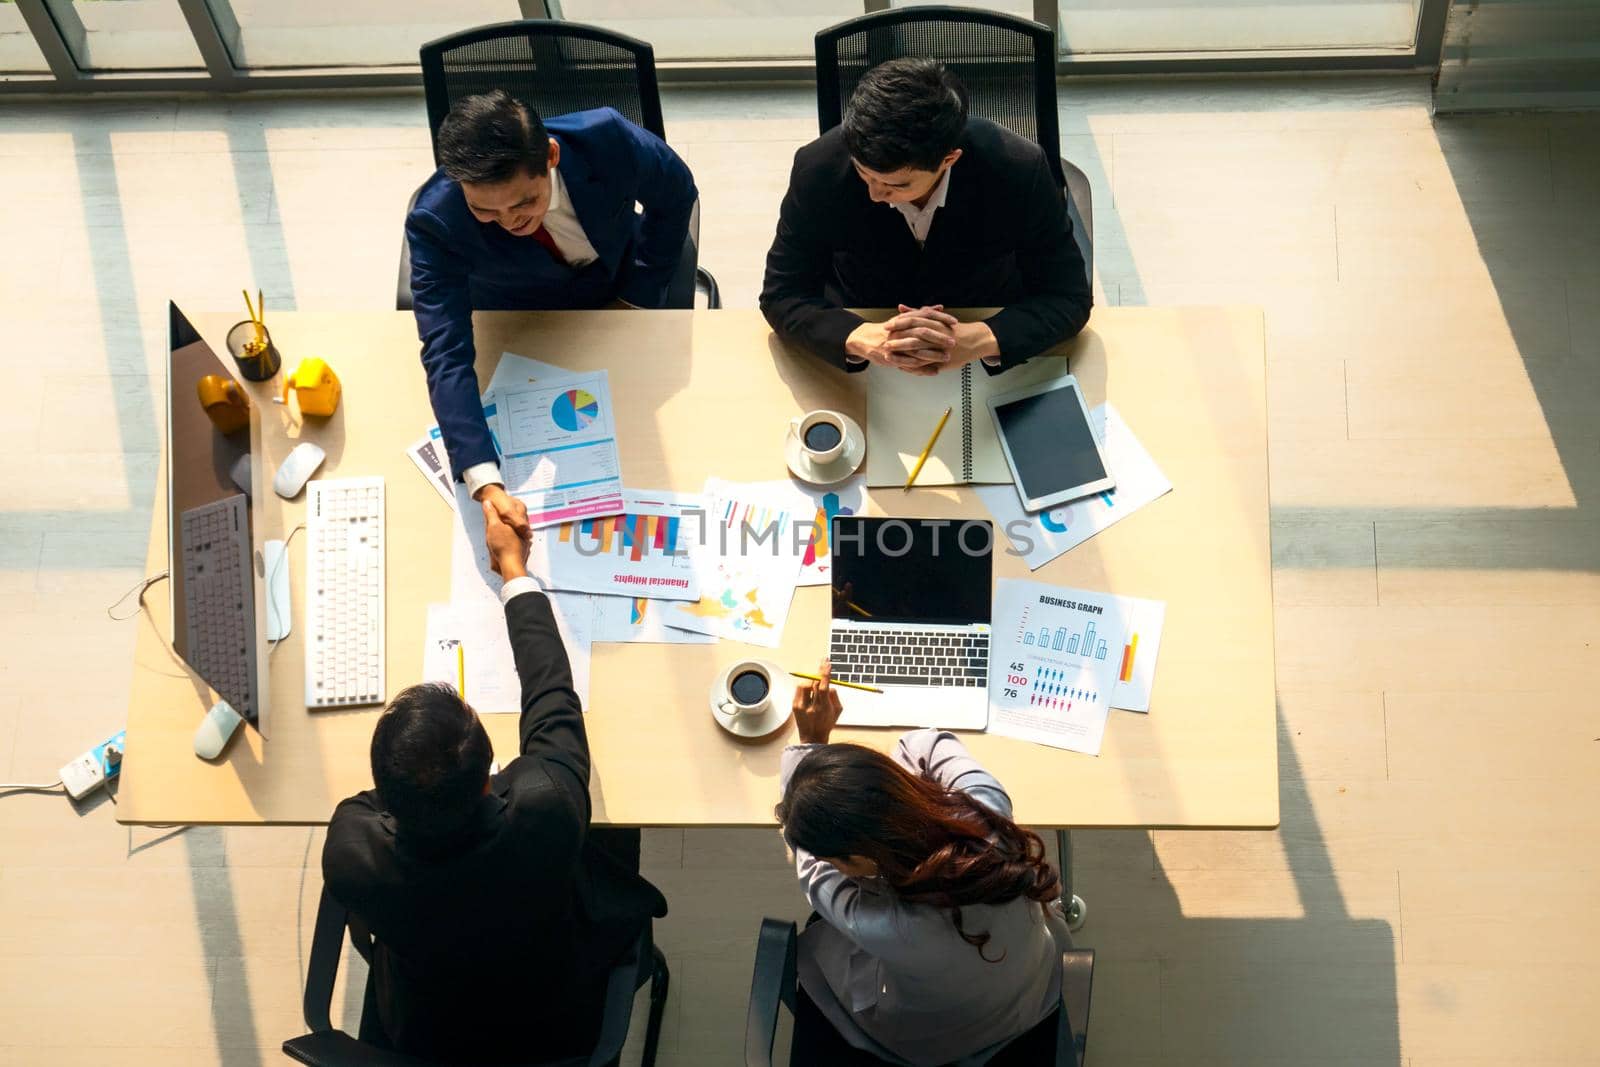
717,29
129,34
1089,26
18,52
1024,8
350,33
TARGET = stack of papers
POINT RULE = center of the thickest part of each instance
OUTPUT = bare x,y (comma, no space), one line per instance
428,453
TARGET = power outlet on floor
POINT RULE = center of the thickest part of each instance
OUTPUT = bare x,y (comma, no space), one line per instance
95,767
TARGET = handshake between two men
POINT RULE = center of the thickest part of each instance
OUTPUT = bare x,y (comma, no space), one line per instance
923,341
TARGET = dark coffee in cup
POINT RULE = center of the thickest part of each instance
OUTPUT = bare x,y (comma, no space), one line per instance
821,436
749,687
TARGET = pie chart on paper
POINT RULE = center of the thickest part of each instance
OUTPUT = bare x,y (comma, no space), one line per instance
575,409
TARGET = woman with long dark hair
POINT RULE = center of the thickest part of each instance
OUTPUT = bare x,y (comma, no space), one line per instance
939,940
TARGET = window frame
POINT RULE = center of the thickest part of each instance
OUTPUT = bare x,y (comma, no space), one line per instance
59,35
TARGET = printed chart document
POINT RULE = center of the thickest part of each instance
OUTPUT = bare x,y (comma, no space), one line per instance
514,370
631,619
558,447
429,456
428,453
747,566
903,409
821,503
1042,536
1136,671
1054,658
480,630
645,551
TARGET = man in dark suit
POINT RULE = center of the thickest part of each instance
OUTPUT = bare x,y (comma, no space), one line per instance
495,916
526,214
910,203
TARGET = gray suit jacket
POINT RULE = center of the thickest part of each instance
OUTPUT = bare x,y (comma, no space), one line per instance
895,978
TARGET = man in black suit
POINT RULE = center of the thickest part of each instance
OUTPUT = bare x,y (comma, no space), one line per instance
879,214
495,916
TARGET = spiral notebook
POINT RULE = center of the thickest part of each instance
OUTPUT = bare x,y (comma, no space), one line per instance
903,409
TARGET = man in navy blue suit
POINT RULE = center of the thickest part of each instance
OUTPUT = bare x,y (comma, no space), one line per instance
525,214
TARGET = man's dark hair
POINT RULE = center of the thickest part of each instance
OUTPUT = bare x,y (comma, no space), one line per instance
430,759
491,137
905,113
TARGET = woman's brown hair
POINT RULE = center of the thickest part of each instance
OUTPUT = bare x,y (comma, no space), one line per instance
932,845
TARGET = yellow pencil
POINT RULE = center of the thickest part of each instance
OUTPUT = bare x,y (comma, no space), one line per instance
835,681
251,308
928,449
461,670
261,308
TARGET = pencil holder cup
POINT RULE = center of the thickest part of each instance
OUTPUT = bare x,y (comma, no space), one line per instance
252,350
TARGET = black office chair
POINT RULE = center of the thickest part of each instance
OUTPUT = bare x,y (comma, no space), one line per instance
557,68
1059,1041
326,1047
1008,65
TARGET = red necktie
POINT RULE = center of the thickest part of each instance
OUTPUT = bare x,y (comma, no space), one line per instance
542,235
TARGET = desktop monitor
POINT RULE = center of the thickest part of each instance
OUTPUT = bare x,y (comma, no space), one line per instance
217,627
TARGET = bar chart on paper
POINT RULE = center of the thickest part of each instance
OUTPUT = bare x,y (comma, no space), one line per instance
746,501
1136,658
1086,643
643,552
634,536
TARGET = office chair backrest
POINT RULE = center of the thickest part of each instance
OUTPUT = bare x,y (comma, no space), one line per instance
556,67
1008,65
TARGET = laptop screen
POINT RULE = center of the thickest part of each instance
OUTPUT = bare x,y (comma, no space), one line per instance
926,571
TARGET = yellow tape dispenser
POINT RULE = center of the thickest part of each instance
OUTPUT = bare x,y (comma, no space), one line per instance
315,386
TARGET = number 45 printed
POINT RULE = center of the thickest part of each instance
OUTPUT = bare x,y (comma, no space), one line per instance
1014,679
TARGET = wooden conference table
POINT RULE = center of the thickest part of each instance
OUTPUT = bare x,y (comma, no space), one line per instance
709,393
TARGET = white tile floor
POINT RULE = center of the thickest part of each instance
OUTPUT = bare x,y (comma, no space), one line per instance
1432,323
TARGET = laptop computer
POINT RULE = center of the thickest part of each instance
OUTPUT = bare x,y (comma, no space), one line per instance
911,600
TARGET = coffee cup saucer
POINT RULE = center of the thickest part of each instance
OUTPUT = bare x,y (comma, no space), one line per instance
849,461
755,727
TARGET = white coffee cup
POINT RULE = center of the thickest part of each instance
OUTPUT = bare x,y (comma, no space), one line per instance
821,435
749,686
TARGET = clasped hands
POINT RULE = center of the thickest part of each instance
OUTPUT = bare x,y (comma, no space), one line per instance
506,532
923,341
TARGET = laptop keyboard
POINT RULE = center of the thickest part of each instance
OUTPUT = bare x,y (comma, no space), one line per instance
910,657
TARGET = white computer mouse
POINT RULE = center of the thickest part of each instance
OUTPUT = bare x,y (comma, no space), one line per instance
298,466
220,724
240,473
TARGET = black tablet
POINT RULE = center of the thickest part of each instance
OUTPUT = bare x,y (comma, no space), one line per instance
1050,444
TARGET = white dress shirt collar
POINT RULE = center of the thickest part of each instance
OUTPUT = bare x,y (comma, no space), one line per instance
561,221
920,219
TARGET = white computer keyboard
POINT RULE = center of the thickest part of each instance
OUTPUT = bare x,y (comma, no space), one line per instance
344,592
219,599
